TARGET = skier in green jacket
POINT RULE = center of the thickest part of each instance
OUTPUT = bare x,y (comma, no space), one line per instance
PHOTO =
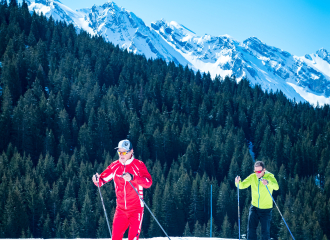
262,202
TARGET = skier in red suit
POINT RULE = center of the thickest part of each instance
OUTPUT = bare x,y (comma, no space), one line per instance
129,210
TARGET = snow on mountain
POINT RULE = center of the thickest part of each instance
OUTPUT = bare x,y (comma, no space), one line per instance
59,12
301,78
119,26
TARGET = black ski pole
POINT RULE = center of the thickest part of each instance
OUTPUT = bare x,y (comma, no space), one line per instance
105,212
149,209
279,211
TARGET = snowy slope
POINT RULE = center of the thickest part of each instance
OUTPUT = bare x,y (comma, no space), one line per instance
304,78
59,12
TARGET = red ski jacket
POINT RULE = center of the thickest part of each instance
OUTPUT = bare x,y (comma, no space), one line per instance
126,196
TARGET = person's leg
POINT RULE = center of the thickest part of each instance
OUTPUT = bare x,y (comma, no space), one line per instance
135,222
253,222
265,218
120,224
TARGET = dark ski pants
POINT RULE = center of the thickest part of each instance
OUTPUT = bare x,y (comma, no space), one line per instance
256,215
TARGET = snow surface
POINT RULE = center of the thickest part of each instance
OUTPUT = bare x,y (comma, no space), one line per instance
310,97
318,63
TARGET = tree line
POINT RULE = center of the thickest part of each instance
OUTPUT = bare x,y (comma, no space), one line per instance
67,98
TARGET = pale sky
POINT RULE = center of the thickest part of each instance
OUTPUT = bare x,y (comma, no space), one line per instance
297,26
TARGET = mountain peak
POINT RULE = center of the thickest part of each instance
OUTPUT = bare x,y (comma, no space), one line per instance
111,4
43,2
252,40
170,28
324,54
108,5
180,26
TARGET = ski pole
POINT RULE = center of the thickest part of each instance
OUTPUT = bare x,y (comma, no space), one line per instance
239,220
149,209
279,211
105,212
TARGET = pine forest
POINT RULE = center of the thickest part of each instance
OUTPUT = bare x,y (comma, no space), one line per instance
67,98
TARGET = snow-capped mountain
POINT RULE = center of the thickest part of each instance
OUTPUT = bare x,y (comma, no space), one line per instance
301,78
59,12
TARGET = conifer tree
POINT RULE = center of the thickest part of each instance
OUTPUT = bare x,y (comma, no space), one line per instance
233,168
222,202
15,217
214,229
226,229
74,228
65,229
195,207
169,211
186,232
142,148
102,230
87,218
46,231
5,123
154,229
198,230
191,160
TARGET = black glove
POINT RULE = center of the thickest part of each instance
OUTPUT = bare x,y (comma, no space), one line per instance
132,176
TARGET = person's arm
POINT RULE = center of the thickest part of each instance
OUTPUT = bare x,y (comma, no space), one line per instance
272,183
246,182
106,176
144,179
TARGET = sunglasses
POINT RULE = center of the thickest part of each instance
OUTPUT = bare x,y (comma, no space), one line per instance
122,153
258,171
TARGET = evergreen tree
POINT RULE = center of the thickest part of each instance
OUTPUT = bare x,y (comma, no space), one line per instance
46,231
5,123
169,211
226,229
208,228
198,230
102,230
186,231
15,216
195,207
74,228
154,229
222,202
88,223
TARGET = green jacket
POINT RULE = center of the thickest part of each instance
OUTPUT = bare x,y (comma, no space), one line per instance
260,195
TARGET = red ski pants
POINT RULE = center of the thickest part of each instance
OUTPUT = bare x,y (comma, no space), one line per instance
124,219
